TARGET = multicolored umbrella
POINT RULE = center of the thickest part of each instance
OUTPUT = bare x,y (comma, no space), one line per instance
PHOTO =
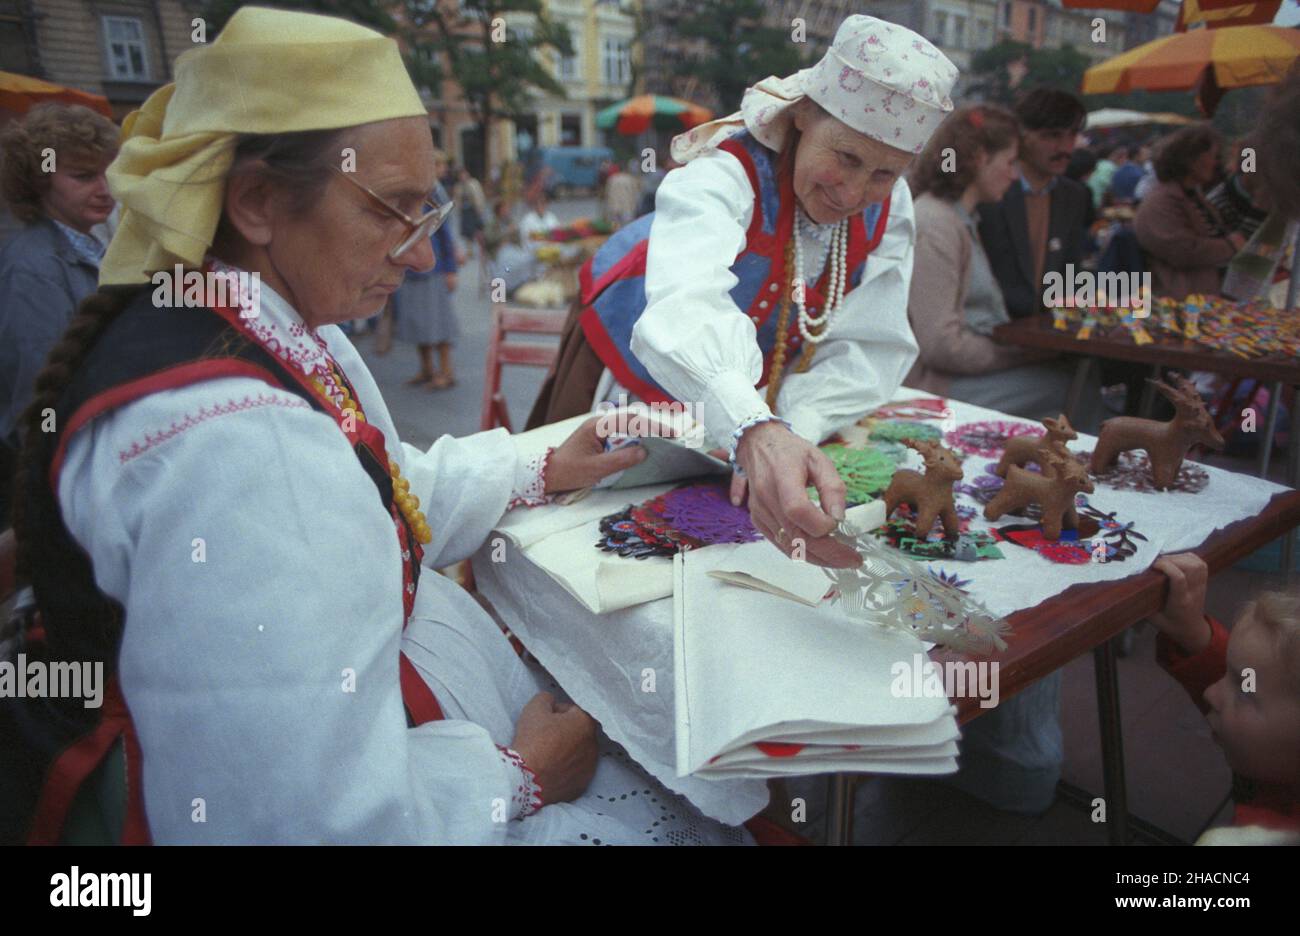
638,114
1149,6
20,93
1214,14
1211,13
1210,61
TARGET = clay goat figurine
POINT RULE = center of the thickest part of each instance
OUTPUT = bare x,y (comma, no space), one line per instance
1024,449
929,494
1166,443
1053,490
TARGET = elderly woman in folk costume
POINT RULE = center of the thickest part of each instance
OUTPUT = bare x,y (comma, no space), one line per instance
778,258
227,519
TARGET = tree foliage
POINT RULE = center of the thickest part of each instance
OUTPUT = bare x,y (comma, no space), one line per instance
995,70
738,49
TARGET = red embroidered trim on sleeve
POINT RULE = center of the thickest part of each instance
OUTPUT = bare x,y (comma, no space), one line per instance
533,493
527,796
152,439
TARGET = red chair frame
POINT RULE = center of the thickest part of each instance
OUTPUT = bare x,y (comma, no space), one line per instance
508,319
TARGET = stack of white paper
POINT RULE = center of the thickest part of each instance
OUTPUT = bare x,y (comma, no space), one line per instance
766,686
562,540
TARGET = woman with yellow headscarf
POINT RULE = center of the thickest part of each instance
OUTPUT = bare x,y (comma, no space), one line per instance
219,514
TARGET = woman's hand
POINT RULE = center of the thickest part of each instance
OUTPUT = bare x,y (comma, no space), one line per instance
557,740
780,466
1182,619
581,460
450,280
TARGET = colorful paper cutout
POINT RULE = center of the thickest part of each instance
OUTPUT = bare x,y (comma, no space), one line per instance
990,437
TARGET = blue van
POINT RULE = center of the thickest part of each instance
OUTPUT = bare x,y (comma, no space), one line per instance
570,167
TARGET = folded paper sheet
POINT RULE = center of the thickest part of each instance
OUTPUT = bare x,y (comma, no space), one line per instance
775,688
763,567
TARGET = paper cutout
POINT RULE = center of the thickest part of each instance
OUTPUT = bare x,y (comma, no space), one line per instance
923,408
1132,472
951,580
970,546
894,591
866,471
896,430
1099,534
988,438
687,517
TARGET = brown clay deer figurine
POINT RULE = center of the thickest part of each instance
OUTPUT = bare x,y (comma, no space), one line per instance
1053,490
1024,449
929,494
1166,443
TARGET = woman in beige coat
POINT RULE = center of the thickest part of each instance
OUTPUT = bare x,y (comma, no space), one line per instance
955,302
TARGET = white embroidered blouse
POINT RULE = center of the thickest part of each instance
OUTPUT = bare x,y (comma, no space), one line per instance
262,586
702,349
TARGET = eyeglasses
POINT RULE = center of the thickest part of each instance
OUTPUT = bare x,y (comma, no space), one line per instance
418,228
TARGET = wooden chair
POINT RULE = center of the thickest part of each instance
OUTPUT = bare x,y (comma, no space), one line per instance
508,319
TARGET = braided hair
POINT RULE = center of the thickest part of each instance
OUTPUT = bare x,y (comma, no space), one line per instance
299,163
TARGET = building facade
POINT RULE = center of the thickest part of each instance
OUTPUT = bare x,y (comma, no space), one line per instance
122,49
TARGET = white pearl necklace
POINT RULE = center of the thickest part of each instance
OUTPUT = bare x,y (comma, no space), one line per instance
838,251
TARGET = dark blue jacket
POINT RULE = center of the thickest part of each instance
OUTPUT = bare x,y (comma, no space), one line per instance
42,281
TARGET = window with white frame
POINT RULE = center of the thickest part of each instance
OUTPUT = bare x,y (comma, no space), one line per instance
128,56
569,64
617,61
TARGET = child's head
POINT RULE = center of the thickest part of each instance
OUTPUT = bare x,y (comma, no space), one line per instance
1256,705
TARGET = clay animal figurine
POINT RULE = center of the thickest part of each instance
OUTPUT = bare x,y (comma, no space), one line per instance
1053,490
929,494
1024,449
1166,443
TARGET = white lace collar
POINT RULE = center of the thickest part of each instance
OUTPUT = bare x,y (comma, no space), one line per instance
279,327
818,232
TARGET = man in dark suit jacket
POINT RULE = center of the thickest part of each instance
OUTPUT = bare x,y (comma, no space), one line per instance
1041,223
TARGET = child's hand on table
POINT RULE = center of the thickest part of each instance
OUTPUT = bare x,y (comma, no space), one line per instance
1182,619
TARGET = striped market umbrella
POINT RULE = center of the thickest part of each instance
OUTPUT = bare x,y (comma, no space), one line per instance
646,111
20,93
1215,14
1207,60
1149,6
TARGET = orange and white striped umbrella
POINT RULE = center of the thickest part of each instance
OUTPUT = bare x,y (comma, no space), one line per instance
1233,57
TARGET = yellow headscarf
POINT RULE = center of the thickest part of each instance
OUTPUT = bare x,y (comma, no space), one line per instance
270,71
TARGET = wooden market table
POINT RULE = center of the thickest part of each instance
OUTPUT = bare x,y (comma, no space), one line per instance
1085,617
1164,351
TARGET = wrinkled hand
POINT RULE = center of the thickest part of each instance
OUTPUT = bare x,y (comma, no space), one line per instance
1182,619
780,466
557,740
581,460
